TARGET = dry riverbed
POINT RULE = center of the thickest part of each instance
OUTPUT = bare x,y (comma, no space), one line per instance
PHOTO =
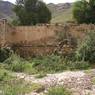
78,82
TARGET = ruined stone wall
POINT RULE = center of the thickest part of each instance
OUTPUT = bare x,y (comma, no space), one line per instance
79,30
28,34
41,38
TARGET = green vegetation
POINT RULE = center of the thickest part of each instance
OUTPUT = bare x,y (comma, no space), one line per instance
58,91
50,65
62,17
88,71
4,75
61,13
18,64
41,75
4,54
83,11
86,50
31,12
10,85
42,65
93,81
83,58
15,87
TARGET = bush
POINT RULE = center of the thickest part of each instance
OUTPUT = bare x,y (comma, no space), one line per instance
45,60
43,65
58,91
4,75
83,11
17,64
86,49
77,65
48,64
4,54
54,63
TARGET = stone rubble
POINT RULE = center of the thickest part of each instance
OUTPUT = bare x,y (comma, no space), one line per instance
76,81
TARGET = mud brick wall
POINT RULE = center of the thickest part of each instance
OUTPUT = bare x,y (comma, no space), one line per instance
29,34
39,35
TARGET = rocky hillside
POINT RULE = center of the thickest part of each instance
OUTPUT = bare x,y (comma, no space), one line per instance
60,12
6,10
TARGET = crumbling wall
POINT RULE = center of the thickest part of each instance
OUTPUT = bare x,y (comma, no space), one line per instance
28,34
40,39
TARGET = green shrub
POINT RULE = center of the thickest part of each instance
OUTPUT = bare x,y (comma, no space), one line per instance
17,67
17,64
53,63
58,91
28,68
86,49
4,54
83,11
4,74
45,60
47,63
43,65
77,65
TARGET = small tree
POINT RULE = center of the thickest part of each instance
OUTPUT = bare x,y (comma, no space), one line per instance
31,12
84,11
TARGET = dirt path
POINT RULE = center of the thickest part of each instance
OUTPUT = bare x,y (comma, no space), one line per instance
79,82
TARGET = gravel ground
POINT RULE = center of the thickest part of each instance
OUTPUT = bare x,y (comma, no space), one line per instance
79,82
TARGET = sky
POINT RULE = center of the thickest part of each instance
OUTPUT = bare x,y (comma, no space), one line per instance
50,1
